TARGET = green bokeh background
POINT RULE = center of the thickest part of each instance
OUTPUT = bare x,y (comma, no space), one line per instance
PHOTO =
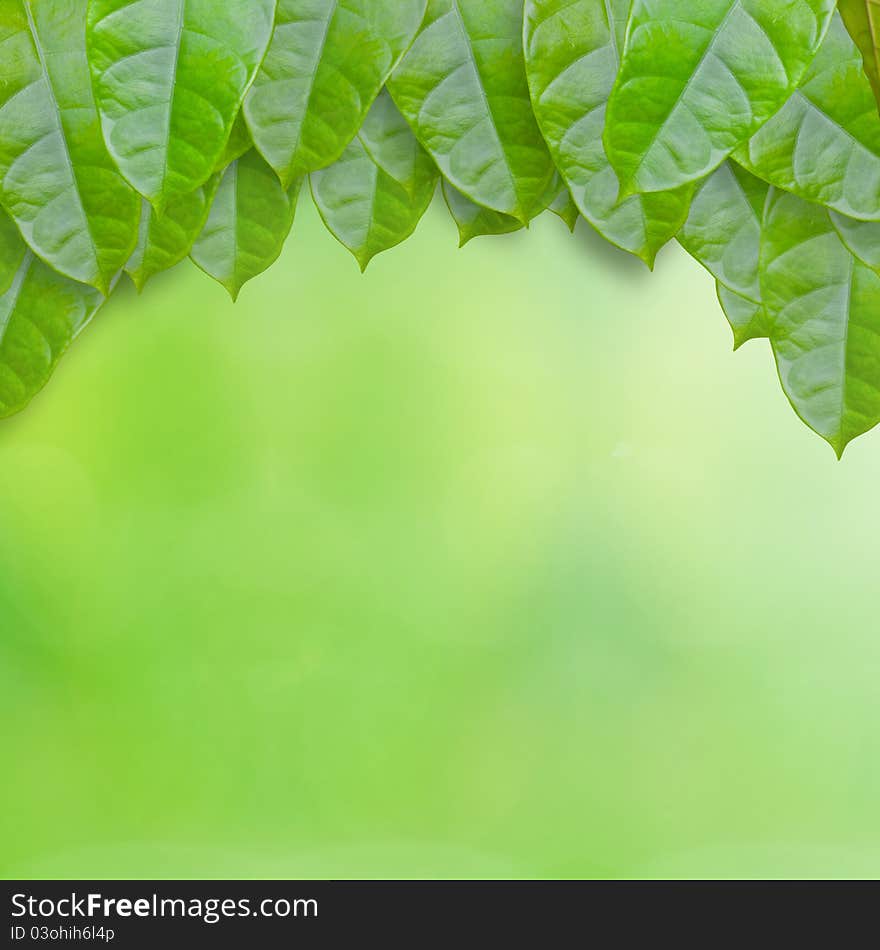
487,563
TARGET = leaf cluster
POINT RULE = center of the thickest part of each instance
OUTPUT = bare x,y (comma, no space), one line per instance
137,133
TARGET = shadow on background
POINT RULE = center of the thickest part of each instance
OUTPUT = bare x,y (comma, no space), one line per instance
493,562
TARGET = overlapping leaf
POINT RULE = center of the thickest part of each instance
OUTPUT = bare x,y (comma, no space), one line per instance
823,308
250,219
169,77
861,237
572,58
862,19
190,117
564,207
41,313
12,251
698,78
463,89
327,59
166,239
824,144
474,220
56,178
373,198
723,232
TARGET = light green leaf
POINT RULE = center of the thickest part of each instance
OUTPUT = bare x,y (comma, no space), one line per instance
327,63
823,307
824,144
746,317
862,19
723,232
473,220
165,240
373,198
41,313
463,89
698,78
170,77
248,223
56,178
238,143
861,237
12,251
572,57
564,208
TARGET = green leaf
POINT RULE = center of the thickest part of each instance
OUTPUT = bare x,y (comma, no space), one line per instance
12,251
56,177
862,19
698,78
463,89
823,306
473,220
723,232
327,63
824,144
166,239
746,317
41,313
170,77
572,58
861,237
239,142
373,198
564,208
247,226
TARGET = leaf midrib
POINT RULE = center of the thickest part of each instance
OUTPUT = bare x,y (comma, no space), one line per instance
506,160
312,81
661,126
166,164
38,47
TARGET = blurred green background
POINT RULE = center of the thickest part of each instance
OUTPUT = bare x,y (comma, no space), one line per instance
488,563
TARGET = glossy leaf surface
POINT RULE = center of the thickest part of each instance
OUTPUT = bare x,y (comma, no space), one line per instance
473,220
56,178
824,144
698,78
169,77
41,313
723,232
374,197
862,19
572,58
463,89
823,308
250,218
327,63
166,239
